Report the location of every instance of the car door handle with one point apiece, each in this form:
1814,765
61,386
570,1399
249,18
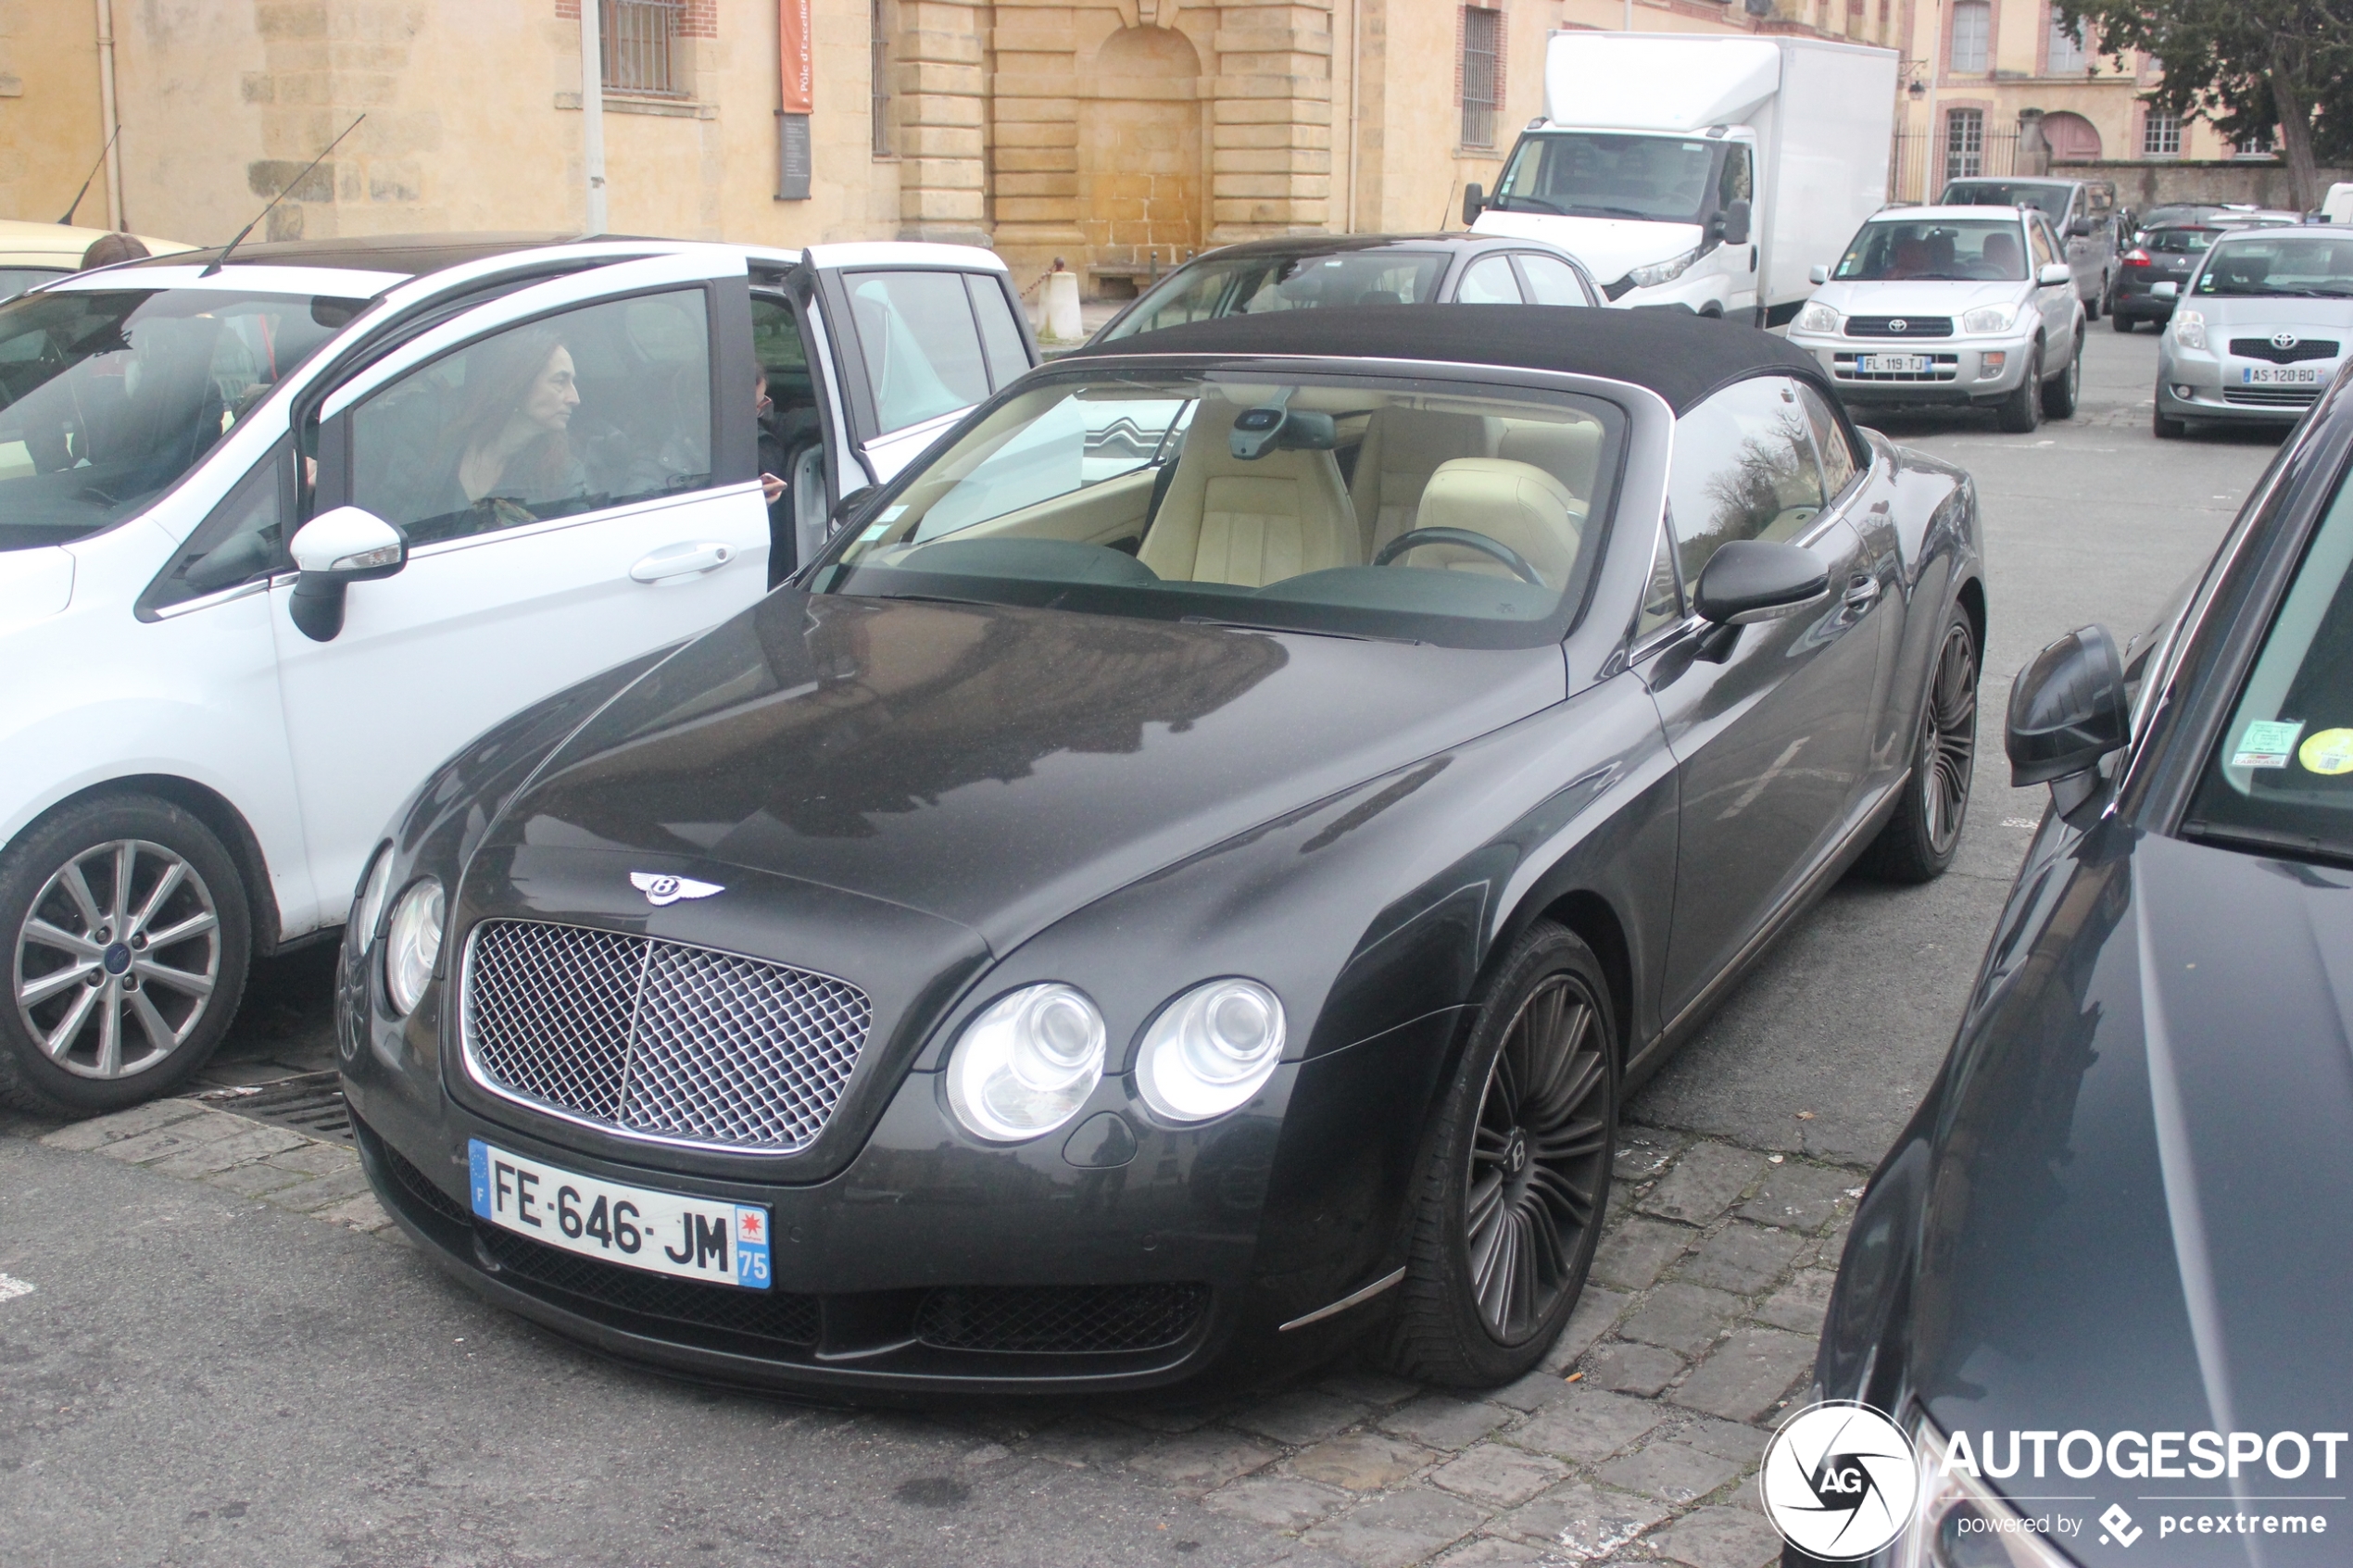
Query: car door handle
1861,591
674,561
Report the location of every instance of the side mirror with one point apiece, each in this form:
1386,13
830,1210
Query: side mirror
2068,709
2169,290
2082,229
1473,203
1732,223
1818,273
846,510
2054,274
1749,580
333,551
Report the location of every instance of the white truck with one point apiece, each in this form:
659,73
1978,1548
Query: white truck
1706,173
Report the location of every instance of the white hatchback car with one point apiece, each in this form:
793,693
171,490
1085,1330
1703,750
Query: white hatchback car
278,536
1966,306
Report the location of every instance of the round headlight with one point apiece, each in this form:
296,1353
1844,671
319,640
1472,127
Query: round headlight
1025,1065
412,946
370,904
1210,1049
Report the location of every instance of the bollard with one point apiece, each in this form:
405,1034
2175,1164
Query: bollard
1061,301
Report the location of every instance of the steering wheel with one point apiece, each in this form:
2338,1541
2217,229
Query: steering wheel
1415,537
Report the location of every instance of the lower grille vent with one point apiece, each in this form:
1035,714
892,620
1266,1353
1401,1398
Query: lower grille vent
1061,1320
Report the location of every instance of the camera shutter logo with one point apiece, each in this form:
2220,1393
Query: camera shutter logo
1840,1481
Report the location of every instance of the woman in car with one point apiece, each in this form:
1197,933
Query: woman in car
505,455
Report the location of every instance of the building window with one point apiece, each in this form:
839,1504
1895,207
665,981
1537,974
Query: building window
1964,144
2161,135
2066,54
878,67
641,45
1482,74
1972,30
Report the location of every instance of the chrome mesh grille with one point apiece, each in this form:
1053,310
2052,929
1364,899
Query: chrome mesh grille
657,1037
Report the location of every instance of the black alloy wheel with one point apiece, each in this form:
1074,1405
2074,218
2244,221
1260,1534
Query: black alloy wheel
127,936
2022,412
1515,1179
1919,843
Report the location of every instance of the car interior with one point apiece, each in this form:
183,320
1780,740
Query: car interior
1985,252
1456,504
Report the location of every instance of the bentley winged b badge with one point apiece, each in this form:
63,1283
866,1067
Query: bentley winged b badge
661,890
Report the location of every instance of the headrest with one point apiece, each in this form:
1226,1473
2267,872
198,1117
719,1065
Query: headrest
1499,497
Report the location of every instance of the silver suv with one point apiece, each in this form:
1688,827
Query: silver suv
2083,214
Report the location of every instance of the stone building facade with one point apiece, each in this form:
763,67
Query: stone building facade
1121,135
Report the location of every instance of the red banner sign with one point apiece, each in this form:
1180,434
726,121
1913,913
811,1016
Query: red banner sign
792,41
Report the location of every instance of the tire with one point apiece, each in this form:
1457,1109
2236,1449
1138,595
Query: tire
2092,306
2166,428
2121,323
2022,411
1920,842
1514,1183
69,1047
2059,392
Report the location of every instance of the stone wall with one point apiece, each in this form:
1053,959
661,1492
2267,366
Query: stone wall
2142,185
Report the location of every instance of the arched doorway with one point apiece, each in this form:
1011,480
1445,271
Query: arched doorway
1139,163
2071,138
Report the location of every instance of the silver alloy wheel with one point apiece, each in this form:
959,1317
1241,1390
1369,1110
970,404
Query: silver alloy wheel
1949,749
1538,1159
117,959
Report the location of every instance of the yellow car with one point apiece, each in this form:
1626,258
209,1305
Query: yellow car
34,253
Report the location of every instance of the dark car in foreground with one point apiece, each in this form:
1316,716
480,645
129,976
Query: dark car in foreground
1112,915
2120,1224
1312,271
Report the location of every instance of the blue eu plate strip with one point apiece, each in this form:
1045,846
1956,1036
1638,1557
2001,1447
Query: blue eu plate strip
478,1168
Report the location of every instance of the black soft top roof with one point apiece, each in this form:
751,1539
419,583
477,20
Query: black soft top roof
1680,356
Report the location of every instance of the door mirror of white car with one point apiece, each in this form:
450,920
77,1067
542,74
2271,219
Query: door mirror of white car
1731,224
1473,203
2165,291
2053,274
846,510
1817,273
333,551
2080,230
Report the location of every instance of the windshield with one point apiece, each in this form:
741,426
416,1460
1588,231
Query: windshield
107,398
2282,777
1984,249
1251,284
2180,242
14,280
2274,265
2050,200
1418,508
1587,174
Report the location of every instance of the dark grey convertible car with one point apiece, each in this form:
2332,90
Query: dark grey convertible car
1187,876
2104,1271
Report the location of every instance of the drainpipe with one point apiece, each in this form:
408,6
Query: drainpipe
107,113
592,110
1355,97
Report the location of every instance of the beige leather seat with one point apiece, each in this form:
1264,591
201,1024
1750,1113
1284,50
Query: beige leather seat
1569,450
1402,447
1248,523
1512,503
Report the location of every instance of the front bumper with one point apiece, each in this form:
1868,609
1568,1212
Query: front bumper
2195,386
932,1265
1963,371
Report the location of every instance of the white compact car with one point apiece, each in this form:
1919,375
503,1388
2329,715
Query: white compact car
1966,306
279,535
2259,330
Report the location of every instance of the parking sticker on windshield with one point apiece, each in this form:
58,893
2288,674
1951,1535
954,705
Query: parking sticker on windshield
2268,743
2330,752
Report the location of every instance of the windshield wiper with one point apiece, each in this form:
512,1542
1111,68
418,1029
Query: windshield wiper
2289,845
1502,203
1225,626
1581,208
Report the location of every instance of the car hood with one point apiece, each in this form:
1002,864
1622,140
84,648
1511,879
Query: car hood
2141,1211
1609,248
992,766
1918,296
2308,318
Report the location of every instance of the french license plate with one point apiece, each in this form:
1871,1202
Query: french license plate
2279,375
637,1227
1894,364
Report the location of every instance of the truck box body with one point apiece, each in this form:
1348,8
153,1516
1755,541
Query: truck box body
1819,119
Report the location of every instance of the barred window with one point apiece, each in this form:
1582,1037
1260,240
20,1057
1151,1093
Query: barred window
1482,74
1972,30
641,45
2161,135
1964,144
